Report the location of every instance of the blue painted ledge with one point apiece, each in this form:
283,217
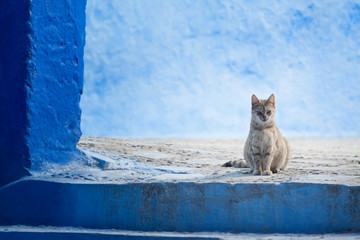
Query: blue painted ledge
221,207
88,236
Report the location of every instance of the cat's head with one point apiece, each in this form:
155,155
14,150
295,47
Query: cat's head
263,111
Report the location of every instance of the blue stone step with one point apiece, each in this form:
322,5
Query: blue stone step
89,234
184,207
71,233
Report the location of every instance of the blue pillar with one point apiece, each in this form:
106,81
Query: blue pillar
41,81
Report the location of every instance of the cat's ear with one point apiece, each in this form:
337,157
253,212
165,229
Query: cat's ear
271,99
254,100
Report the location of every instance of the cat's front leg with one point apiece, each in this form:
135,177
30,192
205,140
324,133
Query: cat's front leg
268,159
257,161
249,160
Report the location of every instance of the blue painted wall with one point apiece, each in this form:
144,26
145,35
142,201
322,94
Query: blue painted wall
56,80
189,207
41,80
188,68
14,52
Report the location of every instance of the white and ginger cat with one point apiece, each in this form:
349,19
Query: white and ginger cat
266,150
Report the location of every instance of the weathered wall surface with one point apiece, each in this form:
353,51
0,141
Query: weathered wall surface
223,207
56,80
41,80
188,68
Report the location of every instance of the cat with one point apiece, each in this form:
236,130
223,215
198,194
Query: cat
266,151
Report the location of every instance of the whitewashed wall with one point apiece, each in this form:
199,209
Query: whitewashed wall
178,68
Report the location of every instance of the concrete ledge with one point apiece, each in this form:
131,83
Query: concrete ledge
190,207
322,161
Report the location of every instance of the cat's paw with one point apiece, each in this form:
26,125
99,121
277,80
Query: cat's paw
277,170
257,172
267,172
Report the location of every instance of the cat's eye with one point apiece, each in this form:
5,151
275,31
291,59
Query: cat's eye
268,112
259,113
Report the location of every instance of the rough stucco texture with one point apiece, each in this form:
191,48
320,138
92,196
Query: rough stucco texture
41,80
56,80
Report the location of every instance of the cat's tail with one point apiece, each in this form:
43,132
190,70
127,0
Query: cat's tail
236,163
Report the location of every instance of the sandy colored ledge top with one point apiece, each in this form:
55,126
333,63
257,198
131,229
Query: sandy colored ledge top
328,161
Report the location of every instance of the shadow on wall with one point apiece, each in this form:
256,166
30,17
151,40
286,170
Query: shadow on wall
14,51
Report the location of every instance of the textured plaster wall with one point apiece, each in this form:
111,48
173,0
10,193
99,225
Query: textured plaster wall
41,80
188,68
56,80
